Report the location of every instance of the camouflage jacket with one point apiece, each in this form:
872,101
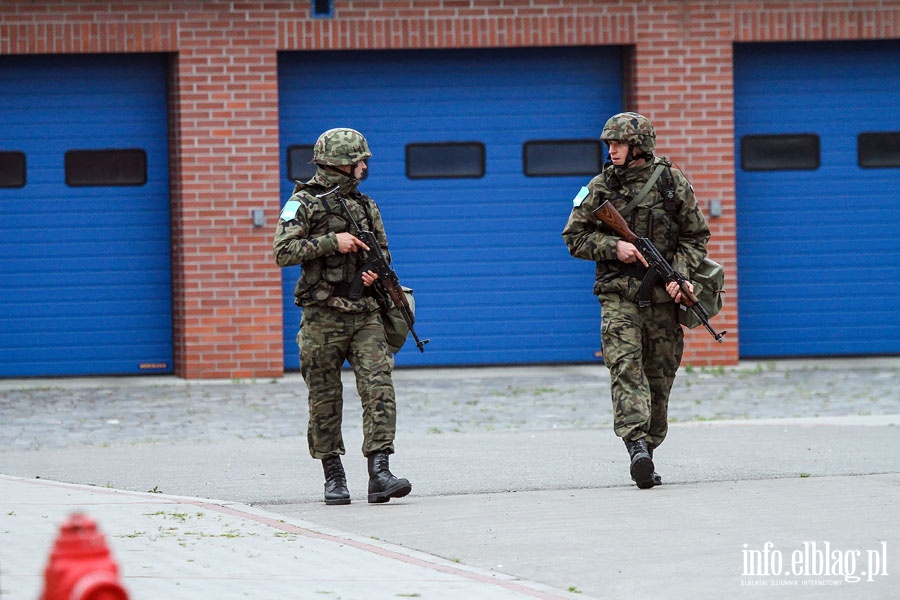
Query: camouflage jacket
306,236
676,227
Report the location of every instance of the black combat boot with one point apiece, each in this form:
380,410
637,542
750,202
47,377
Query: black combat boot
641,463
336,491
382,484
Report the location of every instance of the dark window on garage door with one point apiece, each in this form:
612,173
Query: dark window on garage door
106,167
299,162
12,169
445,160
786,152
878,150
555,158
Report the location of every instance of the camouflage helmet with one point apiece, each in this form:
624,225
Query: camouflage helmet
340,147
630,127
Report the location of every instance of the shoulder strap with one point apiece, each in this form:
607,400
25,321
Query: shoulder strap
644,190
365,200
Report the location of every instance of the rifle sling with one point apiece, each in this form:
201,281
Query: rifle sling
644,191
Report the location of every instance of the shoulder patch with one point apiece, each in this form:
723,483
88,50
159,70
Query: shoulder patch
289,212
580,196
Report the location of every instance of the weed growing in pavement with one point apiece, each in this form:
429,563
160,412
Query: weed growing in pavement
134,534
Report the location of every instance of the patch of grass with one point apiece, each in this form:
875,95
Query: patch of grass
134,534
181,517
717,371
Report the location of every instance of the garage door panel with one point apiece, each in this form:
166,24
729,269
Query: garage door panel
456,310
817,246
70,335
498,234
791,253
89,267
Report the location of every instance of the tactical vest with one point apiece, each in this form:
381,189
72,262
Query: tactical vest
330,275
655,217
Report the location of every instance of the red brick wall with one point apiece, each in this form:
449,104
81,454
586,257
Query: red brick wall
225,135
224,102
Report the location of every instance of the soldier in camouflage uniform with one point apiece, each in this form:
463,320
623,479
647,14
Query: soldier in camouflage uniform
642,346
314,231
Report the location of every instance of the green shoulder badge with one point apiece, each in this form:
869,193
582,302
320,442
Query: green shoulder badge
580,196
289,212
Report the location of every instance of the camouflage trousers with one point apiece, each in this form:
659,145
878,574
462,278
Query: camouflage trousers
327,338
642,348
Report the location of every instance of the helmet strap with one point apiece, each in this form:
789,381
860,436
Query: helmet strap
332,168
339,171
631,157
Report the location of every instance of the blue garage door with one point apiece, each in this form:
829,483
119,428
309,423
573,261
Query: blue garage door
84,216
818,193
493,279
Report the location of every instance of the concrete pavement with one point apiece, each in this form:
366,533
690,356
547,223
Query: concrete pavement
179,547
520,489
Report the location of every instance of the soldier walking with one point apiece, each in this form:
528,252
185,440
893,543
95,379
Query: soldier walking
642,338
315,231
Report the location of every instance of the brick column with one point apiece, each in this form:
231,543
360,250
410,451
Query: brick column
682,79
226,287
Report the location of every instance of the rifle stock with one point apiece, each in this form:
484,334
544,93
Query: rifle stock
659,266
607,213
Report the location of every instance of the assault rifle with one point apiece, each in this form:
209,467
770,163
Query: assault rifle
657,264
388,284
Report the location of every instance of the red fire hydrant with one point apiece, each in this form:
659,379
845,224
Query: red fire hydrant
80,566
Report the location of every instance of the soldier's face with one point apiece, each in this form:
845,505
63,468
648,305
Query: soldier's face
359,170
618,152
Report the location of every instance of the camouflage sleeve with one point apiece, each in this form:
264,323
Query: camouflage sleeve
378,229
293,244
693,232
581,234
